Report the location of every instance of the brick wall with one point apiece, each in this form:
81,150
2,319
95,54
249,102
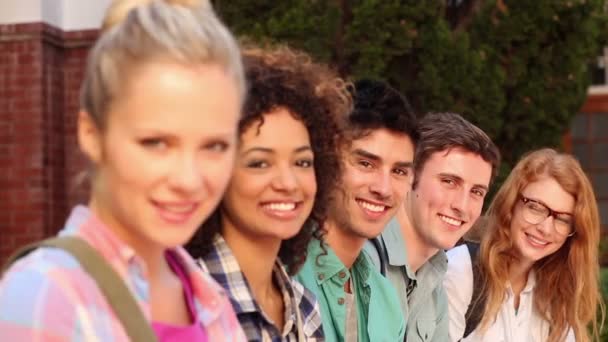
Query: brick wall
589,142
41,68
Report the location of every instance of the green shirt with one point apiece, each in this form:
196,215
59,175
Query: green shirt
379,316
426,307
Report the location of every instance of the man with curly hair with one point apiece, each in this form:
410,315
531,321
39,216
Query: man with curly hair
357,302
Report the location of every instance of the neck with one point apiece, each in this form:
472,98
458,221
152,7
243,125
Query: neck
346,246
518,275
418,251
256,257
153,255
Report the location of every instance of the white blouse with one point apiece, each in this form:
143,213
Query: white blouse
525,325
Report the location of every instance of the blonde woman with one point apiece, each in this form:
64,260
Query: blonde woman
160,105
537,267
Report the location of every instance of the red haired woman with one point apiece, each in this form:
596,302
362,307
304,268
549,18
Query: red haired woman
537,265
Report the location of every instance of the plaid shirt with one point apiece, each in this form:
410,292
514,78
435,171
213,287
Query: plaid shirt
47,296
224,267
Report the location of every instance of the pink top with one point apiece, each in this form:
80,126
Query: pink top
169,332
47,296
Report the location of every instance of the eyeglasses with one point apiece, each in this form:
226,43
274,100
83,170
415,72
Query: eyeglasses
535,212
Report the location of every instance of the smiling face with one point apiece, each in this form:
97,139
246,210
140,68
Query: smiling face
448,197
376,176
535,241
272,190
165,154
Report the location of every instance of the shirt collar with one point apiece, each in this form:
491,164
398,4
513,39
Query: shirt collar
83,223
209,295
224,268
531,283
439,262
394,243
396,250
327,265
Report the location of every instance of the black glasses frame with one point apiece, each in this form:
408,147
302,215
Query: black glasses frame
550,211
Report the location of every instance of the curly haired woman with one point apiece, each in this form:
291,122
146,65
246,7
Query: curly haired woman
286,167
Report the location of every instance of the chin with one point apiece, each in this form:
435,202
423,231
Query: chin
287,234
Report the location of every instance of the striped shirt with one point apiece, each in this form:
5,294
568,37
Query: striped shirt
47,296
224,267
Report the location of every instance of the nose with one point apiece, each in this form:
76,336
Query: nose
381,185
459,202
546,226
285,180
186,174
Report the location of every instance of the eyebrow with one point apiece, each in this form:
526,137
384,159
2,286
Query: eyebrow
459,179
404,164
368,155
271,151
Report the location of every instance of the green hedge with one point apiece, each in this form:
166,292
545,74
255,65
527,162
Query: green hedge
518,69
604,288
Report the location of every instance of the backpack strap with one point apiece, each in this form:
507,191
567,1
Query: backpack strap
381,251
477,305
108,281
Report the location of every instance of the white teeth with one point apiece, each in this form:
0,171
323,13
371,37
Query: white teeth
372,207
451,221
537,241
281,206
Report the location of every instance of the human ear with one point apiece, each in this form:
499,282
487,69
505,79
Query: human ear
89,137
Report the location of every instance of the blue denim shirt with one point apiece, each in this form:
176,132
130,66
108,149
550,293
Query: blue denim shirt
426,308
378,314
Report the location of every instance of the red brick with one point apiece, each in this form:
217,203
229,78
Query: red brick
40,75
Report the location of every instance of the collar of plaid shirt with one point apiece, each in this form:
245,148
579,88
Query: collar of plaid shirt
210,299
224,268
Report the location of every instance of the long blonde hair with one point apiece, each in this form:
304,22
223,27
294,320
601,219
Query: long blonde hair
135,32
567,289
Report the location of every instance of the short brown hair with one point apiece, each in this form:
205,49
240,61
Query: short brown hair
444,131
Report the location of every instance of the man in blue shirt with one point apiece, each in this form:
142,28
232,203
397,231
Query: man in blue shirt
454,164
357,303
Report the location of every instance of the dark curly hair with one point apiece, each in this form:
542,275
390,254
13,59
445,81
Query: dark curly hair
280,77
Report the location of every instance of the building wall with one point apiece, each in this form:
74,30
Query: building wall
67,15
589,142
42,58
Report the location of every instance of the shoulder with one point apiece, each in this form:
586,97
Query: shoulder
206,287
458,280
309,309
306,276
459,259
384,311
42,268
306,300
459,275
47,293
216,311
384,291
370,250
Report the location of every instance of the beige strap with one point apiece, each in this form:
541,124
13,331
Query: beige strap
109,282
